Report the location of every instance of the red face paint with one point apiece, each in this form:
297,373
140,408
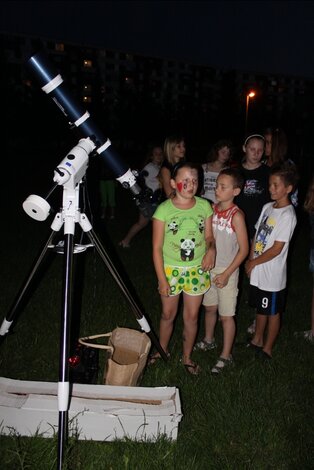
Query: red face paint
179,186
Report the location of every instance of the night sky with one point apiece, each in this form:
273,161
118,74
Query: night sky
257,36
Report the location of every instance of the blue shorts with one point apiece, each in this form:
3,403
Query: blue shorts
267,303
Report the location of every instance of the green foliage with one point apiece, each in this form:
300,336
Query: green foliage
255,416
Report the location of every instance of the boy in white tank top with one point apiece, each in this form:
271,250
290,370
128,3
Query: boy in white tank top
232,248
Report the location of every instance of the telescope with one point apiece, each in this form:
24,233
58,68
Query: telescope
69,173
53,85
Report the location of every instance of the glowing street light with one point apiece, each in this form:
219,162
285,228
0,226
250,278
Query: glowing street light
249,95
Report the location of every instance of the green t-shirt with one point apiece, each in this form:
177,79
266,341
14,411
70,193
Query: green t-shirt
184,242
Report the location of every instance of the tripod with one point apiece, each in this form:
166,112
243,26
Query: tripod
69,174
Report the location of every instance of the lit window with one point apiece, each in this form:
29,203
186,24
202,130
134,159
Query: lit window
88,63
59,46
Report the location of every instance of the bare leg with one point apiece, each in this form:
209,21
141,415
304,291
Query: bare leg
210,322
261,322
272,333
191,306
229,329
168,315
137,227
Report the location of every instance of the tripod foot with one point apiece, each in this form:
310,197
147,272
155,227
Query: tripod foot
5,327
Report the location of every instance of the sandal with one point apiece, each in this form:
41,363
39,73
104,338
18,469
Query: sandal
253,346
205,345
307,335
193,369
264,356
221,364
153,358
251,328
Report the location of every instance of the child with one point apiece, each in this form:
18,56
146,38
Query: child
276,150
267,264
218,159
150,174
183,253
232,248
309,207
174,152
255,191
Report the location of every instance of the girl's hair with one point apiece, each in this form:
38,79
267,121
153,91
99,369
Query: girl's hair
213,153
309,198
178,166
287,171
268,131
169,147
149,154
254,136
279,146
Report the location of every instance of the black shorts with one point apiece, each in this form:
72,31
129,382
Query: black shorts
265,302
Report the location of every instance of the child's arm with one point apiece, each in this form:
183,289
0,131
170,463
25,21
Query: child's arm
238,222
268,255
251,255
165,180
208,261
158,241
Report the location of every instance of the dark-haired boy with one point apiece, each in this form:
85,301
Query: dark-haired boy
267,264
231,250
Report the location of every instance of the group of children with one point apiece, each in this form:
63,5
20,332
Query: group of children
199,246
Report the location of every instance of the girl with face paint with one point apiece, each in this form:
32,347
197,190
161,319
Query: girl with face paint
183,254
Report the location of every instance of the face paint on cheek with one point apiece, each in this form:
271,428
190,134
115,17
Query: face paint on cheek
179,186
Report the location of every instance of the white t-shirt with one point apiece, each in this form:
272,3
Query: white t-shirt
151,179
273,225
209,184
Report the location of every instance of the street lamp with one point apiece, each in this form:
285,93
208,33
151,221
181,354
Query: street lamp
249,95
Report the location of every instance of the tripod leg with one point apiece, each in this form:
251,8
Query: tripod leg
13,310
134,303
63,384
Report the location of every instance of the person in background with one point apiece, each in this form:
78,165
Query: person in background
107,189
149,174
276,146
183,253
232,248
276,152
218,158
255,191
267,264
309,207
174,152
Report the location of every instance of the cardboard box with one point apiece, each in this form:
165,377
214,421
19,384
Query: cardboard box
96,412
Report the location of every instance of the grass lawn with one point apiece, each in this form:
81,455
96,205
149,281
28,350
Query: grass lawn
255,416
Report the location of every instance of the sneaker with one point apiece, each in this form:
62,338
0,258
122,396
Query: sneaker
205,345
221,364
251,328
307,335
